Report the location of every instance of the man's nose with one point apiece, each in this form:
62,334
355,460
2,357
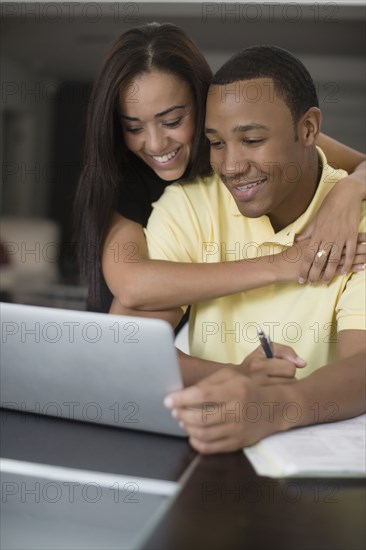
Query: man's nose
234,163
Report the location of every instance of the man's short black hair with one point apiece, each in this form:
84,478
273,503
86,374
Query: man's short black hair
292,81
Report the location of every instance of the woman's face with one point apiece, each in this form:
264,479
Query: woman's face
157,116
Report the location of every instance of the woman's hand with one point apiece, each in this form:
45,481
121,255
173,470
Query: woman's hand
289,270
334,237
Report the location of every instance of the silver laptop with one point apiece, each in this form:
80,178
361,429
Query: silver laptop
88,366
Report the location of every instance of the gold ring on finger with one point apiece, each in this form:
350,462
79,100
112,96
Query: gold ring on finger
321,253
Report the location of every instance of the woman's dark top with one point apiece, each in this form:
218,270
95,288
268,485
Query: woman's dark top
140,187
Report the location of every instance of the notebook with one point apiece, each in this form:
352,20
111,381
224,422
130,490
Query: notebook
79,365
335,449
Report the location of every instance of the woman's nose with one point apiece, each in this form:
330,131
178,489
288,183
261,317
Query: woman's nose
155,141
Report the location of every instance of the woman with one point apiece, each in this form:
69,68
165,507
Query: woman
145,131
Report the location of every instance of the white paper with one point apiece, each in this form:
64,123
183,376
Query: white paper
334,449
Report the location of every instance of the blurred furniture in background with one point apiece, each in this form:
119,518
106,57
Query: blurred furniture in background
29,270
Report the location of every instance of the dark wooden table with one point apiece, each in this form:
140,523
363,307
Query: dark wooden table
222,503
226,505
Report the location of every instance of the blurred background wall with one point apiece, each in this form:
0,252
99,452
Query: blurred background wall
50,54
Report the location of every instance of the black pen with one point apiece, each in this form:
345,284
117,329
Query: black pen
265,343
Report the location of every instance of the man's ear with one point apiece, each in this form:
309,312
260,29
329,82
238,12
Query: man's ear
309,126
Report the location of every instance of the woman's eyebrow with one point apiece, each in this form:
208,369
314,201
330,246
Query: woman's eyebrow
170,109
165,112
133,118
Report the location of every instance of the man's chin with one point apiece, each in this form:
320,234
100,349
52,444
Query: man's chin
250,210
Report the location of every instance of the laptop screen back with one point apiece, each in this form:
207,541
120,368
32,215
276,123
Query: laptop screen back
92,367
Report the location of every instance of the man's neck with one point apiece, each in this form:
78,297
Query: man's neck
297,204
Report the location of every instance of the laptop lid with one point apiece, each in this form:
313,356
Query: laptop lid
87,366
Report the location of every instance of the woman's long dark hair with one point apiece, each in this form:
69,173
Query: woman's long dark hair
164,47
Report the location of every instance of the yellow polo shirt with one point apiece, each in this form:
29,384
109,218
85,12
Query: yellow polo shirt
200,222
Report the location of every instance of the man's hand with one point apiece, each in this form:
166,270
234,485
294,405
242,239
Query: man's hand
281,369
225,412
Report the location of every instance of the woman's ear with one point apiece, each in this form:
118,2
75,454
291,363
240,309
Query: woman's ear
309,126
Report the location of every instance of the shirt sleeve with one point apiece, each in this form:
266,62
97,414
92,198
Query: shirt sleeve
351,307
173,231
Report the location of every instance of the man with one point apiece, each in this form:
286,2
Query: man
262,121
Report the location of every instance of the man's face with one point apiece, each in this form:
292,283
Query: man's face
254,148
